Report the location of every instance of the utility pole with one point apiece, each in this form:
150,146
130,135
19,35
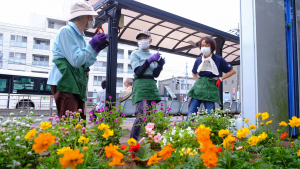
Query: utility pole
186,75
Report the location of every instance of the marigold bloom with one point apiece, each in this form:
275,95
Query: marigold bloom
223,133
209,147
42,142
203,133
264,116
103,126
210,159
242,133
108,133
78,126
298,153
45,125
283,123
29,136
71,159
64,149
253,140
111,151
153,159
82,140
268,122
166,152
284,135
227,141
252,126
295,122
85,148
131,142
246,120
258,115
262,136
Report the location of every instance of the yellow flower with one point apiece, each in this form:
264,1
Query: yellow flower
246,120
45,125
295,122
264,116
258,115
298,153
252,126
242,133
283,123
103,126
78,126
29,136
212,134
262,123
82,140
262,136
253,140
131,142
268,122
223,133
64,149
227,141
108,133
77,114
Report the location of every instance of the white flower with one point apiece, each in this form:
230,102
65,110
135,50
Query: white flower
21,112
12,114
171,140
164,141
42,116
14,122
18,145
224,115
8,118
18,163
7,139
29,153
31,112
27,125
23,124
15,118
23,147
180,135
12,131
189,129
18,123
18,138
31,108
1,118
165,131
7,121
190,132
3,124
173,132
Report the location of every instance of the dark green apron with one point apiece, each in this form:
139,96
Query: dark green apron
145,89
205,89
73,80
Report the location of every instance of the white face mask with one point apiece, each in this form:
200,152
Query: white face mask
91,23
205,50
144,43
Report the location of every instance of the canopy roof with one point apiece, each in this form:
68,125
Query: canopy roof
170,33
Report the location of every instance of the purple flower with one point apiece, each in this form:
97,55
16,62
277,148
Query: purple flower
63,136
110,112
96,122
91,100
142,107
80,110
71,117
62,128
106,108
57,142
109,97
40,131
147,111
102,118
117,122
32,127
155,110
123,114
152,117
144,100
67,132
119,110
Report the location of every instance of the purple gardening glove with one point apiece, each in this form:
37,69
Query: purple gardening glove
154,57
98,40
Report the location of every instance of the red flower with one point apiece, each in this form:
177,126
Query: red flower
284,135
235,138
219,149
135,148
133,156
123,147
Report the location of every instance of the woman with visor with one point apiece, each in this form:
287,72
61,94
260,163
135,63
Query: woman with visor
146,66
206,74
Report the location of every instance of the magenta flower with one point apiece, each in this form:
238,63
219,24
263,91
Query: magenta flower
120,97
136,105
142,107
91,100
91,112
80,110
144,100
90,122
40,131
123,114
109,97
57,142
102,101
110,112
161,108
143,120
119,110
161,104
152,117
106,108
96,122
147,111
127,129
67,132
102,118
32,127
155,110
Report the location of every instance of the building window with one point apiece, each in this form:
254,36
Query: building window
120,53
18,41
41,44
232,81
183,86
1,39
1,59
130,68
98,80
92,95
119,82
177,86
129,54
103,53
100,66
51,25
39,60
120,67
17,58
189,86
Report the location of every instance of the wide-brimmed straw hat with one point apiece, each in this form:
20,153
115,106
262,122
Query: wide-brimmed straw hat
80,8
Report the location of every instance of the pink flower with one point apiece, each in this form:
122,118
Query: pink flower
50,118
90,122
63,136
67,111
32,127
83,129
57,120
239,147
109,97
120,97
62,128
90,100
67,132
40,131
80,110
57,142
181,116
144,100
54,124
53,114
71,117
174,123
150,125
157,138
142,140
149,131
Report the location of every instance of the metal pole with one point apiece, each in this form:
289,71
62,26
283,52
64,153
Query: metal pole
186,75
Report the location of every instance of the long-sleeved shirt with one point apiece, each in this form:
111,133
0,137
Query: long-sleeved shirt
138,59
101,97
126,94
69,44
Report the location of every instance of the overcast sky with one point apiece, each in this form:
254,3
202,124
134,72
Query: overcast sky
219,14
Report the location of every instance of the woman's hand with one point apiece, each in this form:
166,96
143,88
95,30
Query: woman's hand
227,75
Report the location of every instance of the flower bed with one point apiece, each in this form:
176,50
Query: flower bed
201,142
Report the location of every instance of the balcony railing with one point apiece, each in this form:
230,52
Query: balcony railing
41,46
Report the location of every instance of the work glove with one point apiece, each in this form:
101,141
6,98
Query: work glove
153,58
219,82
97,40
161,62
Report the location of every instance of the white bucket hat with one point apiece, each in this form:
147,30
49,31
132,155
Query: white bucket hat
80,8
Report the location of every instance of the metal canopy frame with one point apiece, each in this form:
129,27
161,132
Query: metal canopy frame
109,12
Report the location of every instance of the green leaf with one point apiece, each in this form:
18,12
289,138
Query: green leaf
144,153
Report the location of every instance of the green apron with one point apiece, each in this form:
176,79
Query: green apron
145,89
73,80
205,89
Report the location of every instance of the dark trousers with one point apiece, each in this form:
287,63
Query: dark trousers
67,101
136,130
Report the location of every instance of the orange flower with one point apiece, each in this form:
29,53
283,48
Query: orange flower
209,146
203,133
284,135
166,152
85,148
123,146
153,159
111,151
71,159
210,159
116,161
42,142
